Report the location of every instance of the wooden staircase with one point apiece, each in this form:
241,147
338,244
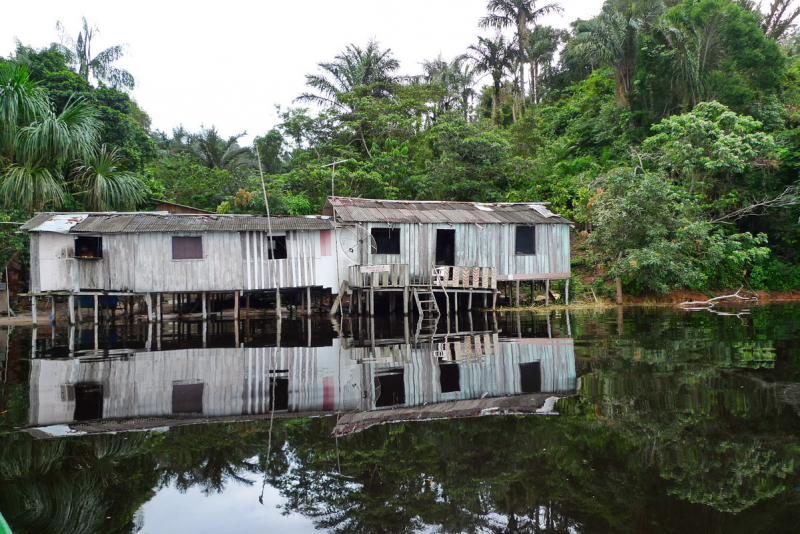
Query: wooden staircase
428,312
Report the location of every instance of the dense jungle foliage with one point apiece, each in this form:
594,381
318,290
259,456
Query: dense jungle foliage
667,130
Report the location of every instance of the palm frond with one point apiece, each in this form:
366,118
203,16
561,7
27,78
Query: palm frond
32,186
104,186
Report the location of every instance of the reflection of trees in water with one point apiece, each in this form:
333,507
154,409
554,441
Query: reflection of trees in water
664,435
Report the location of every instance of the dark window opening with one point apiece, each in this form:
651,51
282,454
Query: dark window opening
390,389
278,394
387,240
530,375
187,398
277,248
526,240
449,378
88,247
88,402
187,248
445,247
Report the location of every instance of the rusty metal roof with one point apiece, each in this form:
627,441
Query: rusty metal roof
132,223
414,211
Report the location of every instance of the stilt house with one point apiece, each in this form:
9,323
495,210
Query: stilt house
153,253
458,247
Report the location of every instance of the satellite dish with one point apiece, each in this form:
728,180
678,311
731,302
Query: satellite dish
352,239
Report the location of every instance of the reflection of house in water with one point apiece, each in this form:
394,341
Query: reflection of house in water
152,389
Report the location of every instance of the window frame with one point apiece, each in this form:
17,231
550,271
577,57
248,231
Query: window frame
275,244
389,245
202,249
522,248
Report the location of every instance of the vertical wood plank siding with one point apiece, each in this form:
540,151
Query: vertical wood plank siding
143,263
491,245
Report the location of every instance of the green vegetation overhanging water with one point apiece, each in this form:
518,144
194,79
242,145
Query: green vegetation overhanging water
666,421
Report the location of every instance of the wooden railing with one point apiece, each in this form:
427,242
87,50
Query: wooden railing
386,275
464,277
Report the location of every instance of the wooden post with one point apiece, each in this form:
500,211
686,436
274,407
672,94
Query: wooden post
566,293
547,292
247,306
405,304
71,339
447,305
371,301
148,300
494,299
34,314
80,309
278,302
516,295
96,332
71,304
236,310
455,301
203,297
469,301
96,309
308,300
358,299
159,307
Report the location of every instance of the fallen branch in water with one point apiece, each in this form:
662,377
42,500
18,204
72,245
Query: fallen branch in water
711,301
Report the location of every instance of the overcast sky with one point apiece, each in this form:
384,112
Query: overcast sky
228,63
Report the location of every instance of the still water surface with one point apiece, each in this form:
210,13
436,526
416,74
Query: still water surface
642,420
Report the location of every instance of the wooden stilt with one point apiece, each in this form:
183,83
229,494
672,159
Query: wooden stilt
278,303
96,332
308,300
34,311
236,309
566,293
516,294
71,305
80,310
71,339
405,303
547,292
358,299
469,301
494,299
247,306
148,299
159,307
371,302
96,309
455,301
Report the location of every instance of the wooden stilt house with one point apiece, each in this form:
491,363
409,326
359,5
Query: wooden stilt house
461,249
155,253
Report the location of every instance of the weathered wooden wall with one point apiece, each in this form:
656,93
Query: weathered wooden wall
143,263
491,245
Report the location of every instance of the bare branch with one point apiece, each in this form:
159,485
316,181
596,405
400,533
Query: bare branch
710,302
789,197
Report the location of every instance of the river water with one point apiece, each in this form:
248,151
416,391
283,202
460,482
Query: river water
629,420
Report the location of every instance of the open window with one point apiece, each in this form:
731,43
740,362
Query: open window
390,388
187,248
187,398
449,377
88,402
88,246
526,240
530,375
278,393
277,248
387,240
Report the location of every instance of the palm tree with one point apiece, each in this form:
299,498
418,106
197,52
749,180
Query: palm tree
542,45
496,57
457,79
79,54
610,38
215,152
105,186
37,144
369,67
518,13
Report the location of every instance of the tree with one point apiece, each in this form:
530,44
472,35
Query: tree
38,145
106,187
611,39
79,54
215,152
457,80
518,14
543,42
496,57
368,67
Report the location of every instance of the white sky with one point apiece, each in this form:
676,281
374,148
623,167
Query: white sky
228,63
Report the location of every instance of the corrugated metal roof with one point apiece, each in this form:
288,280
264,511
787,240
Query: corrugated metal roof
129,223
411,211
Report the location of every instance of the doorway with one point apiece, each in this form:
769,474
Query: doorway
445,247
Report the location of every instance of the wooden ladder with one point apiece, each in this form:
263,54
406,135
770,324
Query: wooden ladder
428,312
